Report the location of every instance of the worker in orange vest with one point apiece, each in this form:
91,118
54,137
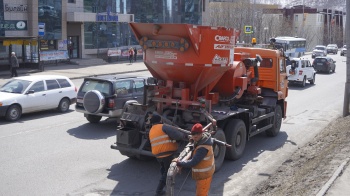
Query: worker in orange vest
202,161
163,142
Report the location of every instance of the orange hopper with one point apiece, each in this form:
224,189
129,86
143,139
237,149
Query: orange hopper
188,55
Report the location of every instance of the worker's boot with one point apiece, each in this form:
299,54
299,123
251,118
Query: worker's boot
160,188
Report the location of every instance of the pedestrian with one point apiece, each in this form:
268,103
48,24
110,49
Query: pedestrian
135,54
201,161
14,64
131,54
163,142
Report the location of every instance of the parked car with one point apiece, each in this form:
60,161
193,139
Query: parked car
36,93
324,64
319,50
343,51
332,48
300,71
107,95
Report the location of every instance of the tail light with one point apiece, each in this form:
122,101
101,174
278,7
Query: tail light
111,103
300,72
76,90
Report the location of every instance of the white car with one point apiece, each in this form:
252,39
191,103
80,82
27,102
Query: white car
343,51
36,93
301,70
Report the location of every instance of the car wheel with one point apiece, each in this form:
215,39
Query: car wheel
313,79
303,83
236,136
93,118
64,104
13,113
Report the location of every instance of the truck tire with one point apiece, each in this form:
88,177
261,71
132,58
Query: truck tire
236,136
93,118
272,132
219,151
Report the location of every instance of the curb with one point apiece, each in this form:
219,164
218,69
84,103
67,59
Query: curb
331,181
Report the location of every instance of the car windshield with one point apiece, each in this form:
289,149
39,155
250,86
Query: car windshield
320,60
102,86
294,63
15,86
319,48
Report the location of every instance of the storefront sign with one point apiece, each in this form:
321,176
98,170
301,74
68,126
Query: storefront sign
13,25
15,8
114,52
106,18
53,55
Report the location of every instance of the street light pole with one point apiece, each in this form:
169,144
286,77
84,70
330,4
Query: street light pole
347,83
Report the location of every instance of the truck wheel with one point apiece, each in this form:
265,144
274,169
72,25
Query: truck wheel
93,118
313,79
277,121
236,135
219,151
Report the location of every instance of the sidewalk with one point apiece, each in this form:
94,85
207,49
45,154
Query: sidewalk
338,184
79,71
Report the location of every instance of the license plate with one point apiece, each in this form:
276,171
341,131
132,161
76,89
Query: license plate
319,63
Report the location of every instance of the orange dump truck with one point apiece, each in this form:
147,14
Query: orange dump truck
200,77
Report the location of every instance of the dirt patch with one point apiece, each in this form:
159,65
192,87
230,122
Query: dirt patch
312,165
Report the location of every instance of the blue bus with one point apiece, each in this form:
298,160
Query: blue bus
292,46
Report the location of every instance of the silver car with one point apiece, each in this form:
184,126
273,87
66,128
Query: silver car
28,94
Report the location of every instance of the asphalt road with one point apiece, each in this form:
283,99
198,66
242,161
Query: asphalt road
49,153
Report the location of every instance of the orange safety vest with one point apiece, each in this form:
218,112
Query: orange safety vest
206,167
162,145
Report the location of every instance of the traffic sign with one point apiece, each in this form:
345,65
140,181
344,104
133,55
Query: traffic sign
41,29
248,29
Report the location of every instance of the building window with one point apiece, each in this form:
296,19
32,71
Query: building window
71,1
296,18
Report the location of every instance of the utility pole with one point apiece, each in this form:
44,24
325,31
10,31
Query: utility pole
347,83
302,31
